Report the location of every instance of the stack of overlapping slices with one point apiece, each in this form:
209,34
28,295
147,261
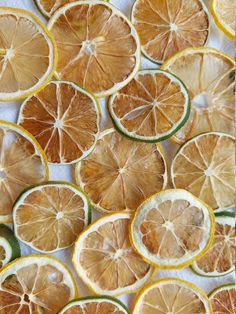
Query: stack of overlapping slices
154,212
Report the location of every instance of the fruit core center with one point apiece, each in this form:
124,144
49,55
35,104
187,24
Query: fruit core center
168,225
60,215
156,103
2,174
208,172
89,46
202,101
58,124
8,53
118,254
26,298
173,27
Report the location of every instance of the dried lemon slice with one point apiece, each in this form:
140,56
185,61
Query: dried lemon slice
49,7
223,299
9,246
205,167
22,163
28,54
64,119
98,47
120,174
105,260
166,27
209,75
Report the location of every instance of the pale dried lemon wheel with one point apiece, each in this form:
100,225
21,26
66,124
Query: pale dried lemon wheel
221,256
205,166
209,75
223,299
35,284
64,119
28,54
98,47
105,260
172,229
120,174
166,27
50,216
172,295
22,163
95,305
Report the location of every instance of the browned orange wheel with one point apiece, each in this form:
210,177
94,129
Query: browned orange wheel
223,299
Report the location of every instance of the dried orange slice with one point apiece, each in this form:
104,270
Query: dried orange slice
98,47
22,163
172,229
28,54
166,27
172,295
209,77
64,119
223,299
105,260
205,167
50,216
35,284
48,7
221,256
152,107
136,170
95,305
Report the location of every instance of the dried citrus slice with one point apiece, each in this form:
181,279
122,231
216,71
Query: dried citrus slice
152,107
172,295
95,305
223,12
223,299
27,54
166,27
22,163
205,166
35,284
172,229
98,47
50,216
64,119
221,256
105,260
120,174
209,77
9,246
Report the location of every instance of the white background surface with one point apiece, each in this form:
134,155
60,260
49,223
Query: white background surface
9,112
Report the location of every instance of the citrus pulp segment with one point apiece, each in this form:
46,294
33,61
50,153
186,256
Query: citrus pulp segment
205,167
152,107
64,119
28,54
9,246
172,295
35,284
221,256
99,48
209,75
49,217
223,12
172,229
105,260
95,305
223,299
166,27
120,174
22,163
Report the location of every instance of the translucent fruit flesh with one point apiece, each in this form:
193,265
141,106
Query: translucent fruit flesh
224,301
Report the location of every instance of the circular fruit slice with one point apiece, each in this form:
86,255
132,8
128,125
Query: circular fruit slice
49,217
64,119
95,305
120,174
221,256
35,284
223,12
9,246
27,54
98,47
105,260
22,163
49,7
223,299
172,229
172,295
209,77
152,107
205,167
166,27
